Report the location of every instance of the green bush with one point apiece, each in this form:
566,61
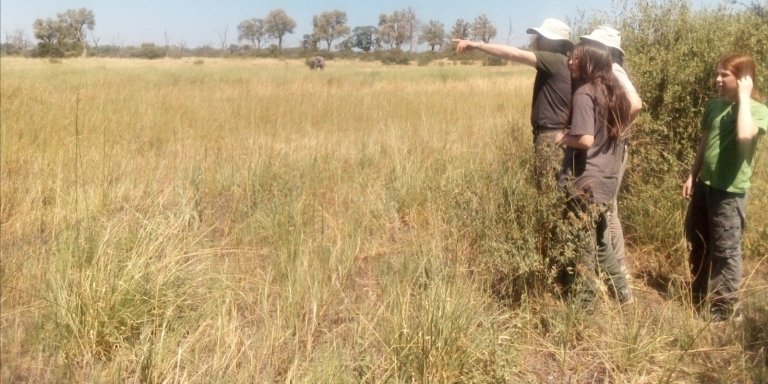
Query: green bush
426,58
395,56
493,61
671,55
671,52
149,51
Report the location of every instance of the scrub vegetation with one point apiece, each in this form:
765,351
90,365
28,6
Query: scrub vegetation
254,221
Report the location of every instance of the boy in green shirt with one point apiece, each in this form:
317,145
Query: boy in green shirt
715,221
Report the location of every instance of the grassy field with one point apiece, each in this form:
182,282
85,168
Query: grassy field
200,221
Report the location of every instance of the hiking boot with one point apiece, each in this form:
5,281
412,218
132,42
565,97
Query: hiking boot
626,298
718,315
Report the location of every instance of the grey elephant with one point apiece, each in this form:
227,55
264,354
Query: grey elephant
316,62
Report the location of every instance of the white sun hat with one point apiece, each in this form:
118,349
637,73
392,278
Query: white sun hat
552,29
607,36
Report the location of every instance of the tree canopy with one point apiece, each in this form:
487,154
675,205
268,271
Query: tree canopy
65,35
329,26
461,29
397,28
277,24
252,30
433,34
482,29
364,38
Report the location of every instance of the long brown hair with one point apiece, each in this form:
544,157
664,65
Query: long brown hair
741,65
594,66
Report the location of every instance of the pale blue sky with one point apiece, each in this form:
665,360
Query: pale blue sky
201,22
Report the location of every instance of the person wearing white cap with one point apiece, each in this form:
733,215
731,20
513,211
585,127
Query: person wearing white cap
611,39
549,111
551,91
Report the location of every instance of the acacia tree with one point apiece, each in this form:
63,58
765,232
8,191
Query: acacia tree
461,29
329,26
223,37
277,24
75,21
392,29
309,43
411,24
66,34
363,38
252,30
47,31
433,34
482,29
15,42
387,32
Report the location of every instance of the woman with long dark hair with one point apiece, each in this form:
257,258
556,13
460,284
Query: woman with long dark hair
594,152
611,39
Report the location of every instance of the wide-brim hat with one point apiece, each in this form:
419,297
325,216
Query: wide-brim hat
607,36
552,29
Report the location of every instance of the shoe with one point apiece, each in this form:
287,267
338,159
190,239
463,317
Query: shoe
718,315
626,298
627,275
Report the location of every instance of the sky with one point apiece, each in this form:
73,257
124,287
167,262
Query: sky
196,23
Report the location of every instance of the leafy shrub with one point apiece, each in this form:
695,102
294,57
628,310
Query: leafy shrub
507,222
149,51
426,58
493,61
395,56
48,50
671,52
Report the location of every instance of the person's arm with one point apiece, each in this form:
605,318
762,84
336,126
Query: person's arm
574,141
635,104
696,167
746,129
582,133
505,52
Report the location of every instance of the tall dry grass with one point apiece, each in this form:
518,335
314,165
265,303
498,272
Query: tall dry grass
252,221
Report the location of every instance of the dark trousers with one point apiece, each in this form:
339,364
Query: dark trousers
548,159
596,257
714,225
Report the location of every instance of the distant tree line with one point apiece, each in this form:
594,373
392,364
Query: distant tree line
69,35
66,35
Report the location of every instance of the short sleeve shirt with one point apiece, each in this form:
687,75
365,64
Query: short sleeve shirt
629,88
597,168
623,78
723,166
551,91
